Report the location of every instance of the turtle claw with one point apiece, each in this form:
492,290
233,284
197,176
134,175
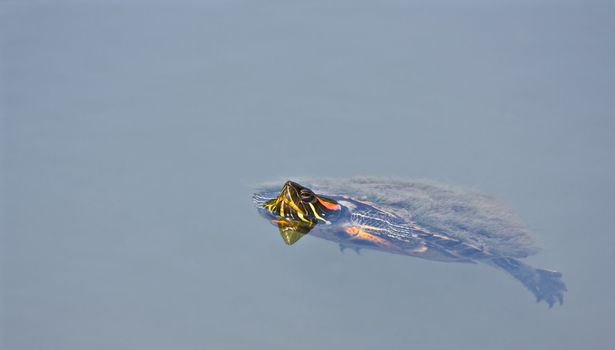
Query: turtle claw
344,247
545,285
549,287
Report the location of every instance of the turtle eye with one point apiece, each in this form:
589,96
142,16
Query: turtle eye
307,195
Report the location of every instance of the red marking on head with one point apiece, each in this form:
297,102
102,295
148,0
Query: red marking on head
329,205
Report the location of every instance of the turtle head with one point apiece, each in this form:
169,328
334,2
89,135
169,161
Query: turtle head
297,209
299,203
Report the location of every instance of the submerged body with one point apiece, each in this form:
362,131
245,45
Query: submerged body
414,218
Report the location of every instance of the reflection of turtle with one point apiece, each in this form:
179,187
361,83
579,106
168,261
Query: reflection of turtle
415,218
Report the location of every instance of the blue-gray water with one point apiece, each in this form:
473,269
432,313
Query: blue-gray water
133,132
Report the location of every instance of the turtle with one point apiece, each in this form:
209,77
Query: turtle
417,218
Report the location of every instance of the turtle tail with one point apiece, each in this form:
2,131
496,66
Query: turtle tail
544,284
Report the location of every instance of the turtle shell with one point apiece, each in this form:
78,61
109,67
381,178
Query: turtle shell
465,215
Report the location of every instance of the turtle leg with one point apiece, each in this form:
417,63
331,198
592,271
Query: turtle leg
361,235
544,284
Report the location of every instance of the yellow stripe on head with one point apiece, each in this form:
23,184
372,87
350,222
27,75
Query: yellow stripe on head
316,214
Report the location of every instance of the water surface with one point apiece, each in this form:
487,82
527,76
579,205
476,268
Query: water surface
133,133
